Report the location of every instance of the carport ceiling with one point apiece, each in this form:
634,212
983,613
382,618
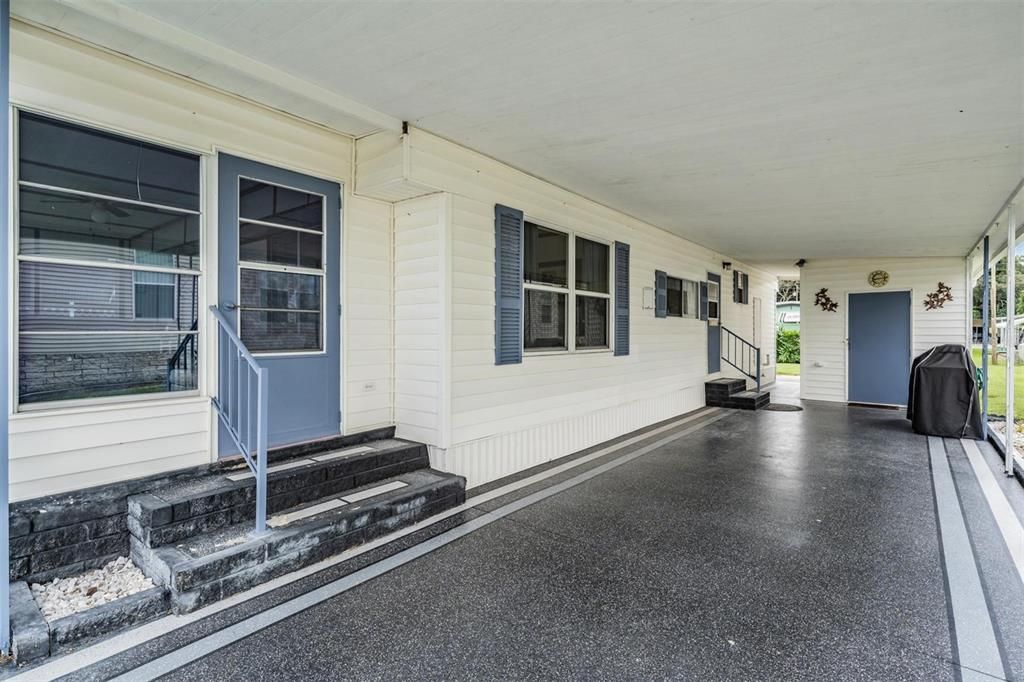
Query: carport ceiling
765,130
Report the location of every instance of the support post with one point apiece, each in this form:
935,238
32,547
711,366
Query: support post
6,364
262,399
984,337
1011,331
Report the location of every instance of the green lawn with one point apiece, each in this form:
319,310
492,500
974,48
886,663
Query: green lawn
789,369
997,387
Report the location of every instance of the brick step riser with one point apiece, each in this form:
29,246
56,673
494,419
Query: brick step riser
194,584
163,524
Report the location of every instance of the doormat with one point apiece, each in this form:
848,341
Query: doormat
782,407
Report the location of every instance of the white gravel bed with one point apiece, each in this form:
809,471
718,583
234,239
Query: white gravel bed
1018,437
64,596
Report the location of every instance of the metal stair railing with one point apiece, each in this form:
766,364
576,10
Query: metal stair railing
741,354
240,376
185,356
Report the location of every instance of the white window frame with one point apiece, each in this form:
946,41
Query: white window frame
17,258
717,300
320,272
572,292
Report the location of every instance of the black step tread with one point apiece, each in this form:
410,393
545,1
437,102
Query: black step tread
198,505
725,381
208,567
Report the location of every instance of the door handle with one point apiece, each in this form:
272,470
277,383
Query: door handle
230,305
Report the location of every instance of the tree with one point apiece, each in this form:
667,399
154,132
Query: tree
999,282
789,291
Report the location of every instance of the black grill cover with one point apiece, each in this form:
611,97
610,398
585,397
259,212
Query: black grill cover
944,398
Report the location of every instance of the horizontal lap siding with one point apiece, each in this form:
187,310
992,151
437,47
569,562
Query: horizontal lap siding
823,334
55,452
367,336
59,450
507,418
419,240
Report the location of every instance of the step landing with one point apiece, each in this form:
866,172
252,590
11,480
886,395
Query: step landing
222,562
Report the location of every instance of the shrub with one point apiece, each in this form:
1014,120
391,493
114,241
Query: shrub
787,345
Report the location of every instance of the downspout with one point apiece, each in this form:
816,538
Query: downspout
5,258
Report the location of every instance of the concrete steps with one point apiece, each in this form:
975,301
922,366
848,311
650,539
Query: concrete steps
196,506
733,394
216,564
195,537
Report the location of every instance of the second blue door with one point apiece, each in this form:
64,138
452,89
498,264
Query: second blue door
879,348
279,238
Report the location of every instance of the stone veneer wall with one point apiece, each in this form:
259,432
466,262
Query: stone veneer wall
61,535
52,373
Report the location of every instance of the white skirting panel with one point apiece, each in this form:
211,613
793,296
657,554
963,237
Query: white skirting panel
487,459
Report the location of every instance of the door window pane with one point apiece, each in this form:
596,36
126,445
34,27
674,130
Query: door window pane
545,256
76,366
279,290
281,246
61,154
544,319
591,266
264,331
591,322
273,204
60,225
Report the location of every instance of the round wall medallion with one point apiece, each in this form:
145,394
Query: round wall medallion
878,278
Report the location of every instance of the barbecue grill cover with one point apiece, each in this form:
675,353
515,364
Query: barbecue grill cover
944,398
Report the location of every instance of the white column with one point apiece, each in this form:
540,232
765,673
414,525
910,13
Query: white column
1011,330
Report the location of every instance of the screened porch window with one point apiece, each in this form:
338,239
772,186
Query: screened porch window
566,290
108,263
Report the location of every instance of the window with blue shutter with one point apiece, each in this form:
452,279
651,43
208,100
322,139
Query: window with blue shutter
660,294
508,285
704,300
745,283
621,298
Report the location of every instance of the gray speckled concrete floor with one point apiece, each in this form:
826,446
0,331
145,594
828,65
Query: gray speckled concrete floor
768,545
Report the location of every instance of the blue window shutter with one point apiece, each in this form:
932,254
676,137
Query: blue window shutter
736,287
703,300
746,288
508,285
621,298
660,294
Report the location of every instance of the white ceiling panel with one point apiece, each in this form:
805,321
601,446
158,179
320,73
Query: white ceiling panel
765,130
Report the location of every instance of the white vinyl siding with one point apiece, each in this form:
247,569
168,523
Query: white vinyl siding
420,336
823,334
509,417
366,333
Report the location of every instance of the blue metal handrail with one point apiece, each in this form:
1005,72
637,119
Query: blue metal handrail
239,374
741,354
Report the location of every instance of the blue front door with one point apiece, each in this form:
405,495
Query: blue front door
879,348
279,236
714,323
